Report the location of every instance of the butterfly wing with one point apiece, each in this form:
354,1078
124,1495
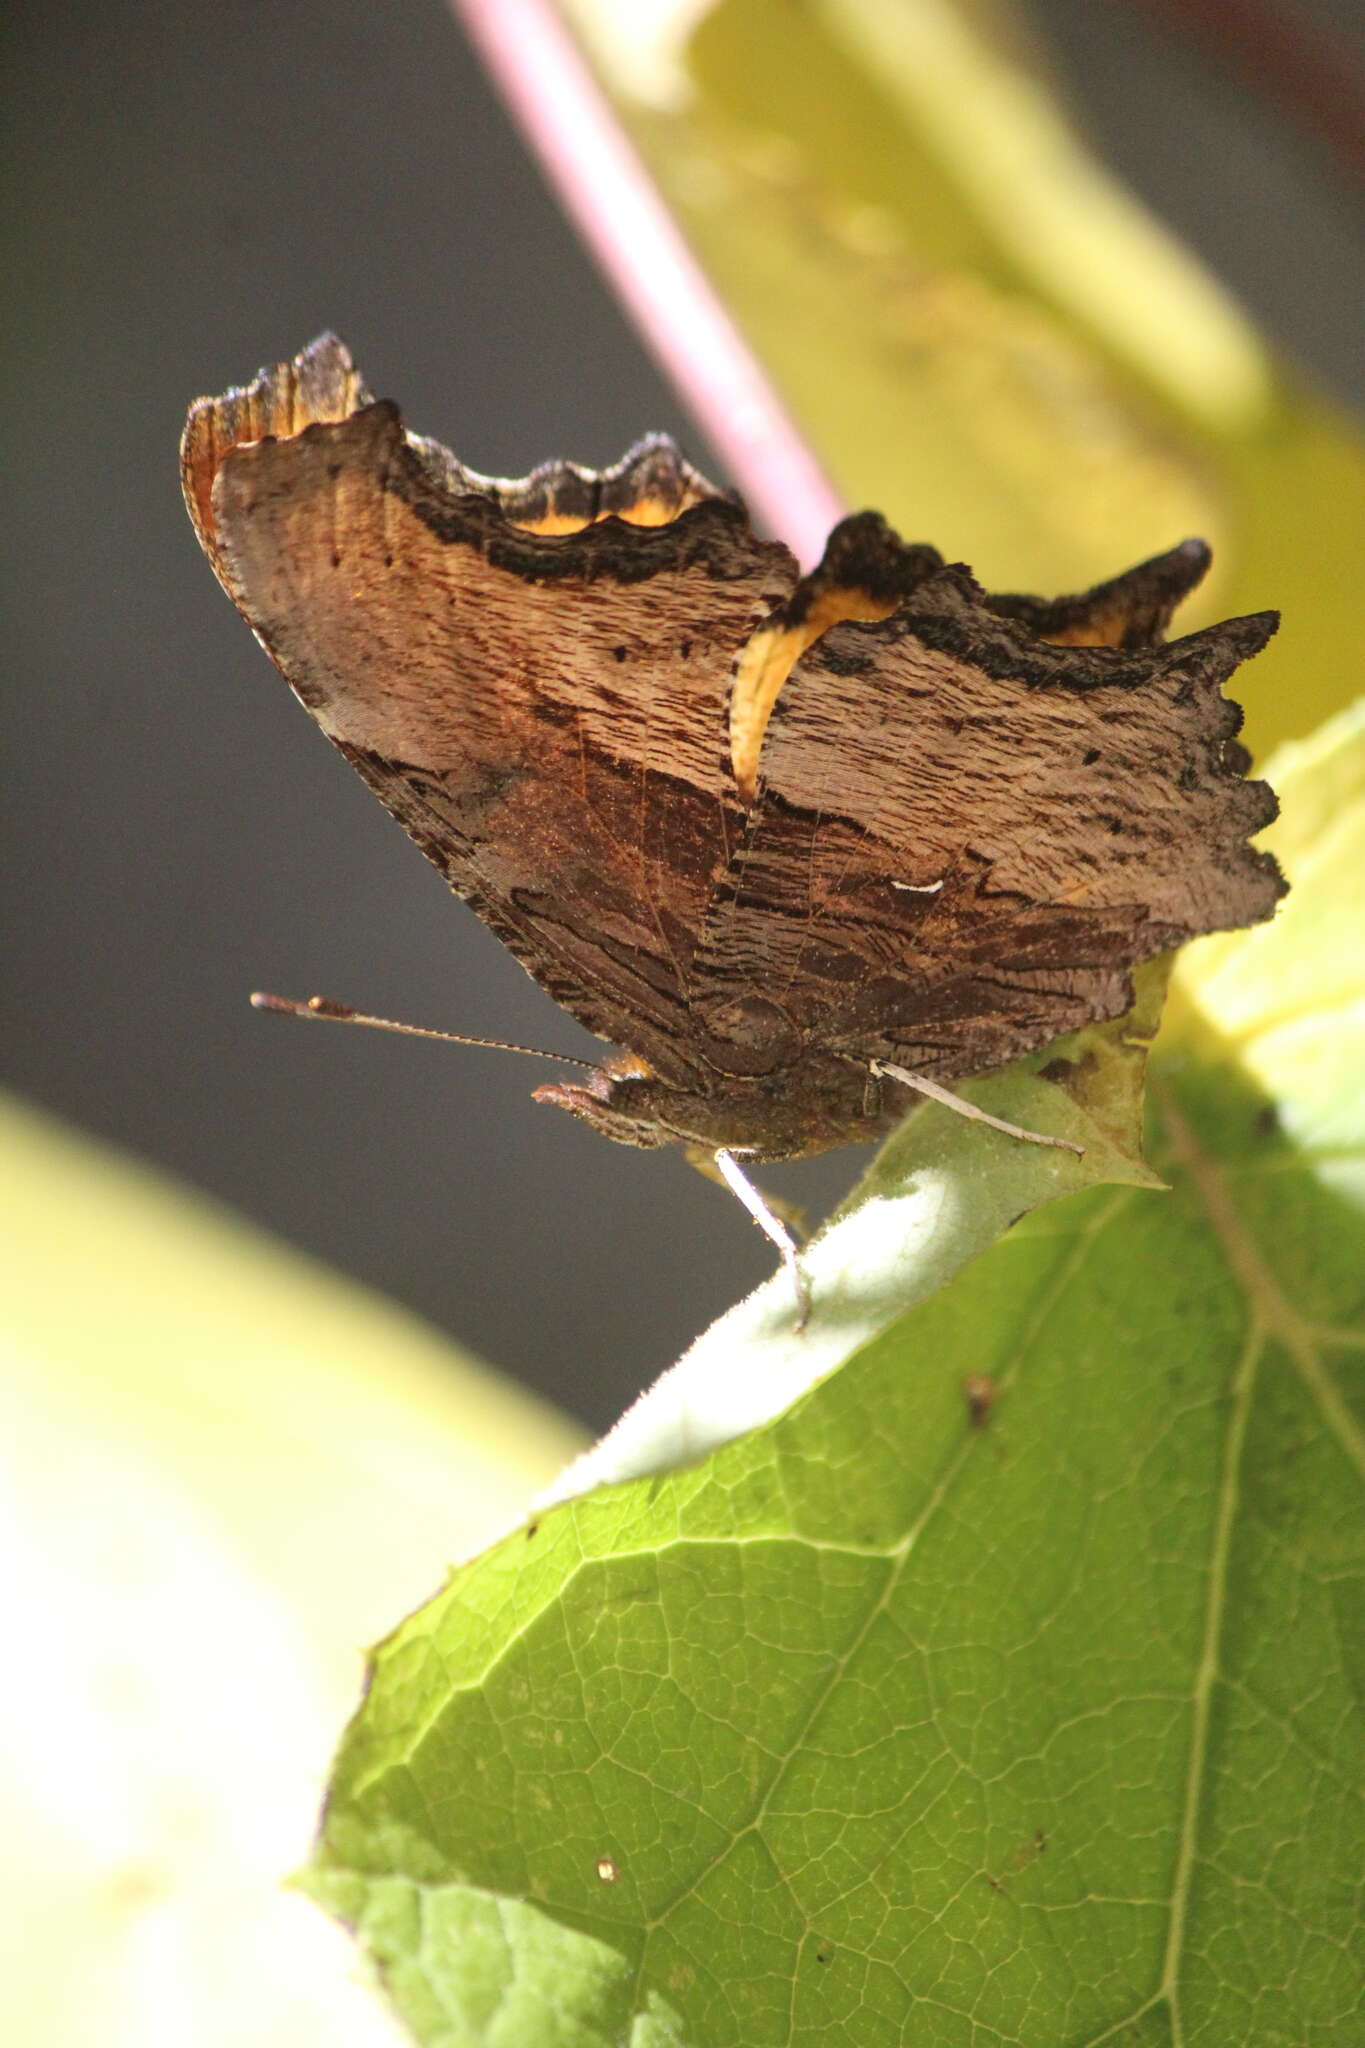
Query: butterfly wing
734,821
532,677
966,835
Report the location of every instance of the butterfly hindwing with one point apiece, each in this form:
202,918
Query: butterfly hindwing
1012,826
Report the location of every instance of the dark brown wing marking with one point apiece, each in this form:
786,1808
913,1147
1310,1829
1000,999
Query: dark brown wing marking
543,711
1131,610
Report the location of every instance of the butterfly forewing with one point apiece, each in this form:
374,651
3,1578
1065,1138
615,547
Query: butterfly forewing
543,712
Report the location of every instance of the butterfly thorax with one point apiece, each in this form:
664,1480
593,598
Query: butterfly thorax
810,1105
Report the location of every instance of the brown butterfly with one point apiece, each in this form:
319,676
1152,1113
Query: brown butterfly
772,835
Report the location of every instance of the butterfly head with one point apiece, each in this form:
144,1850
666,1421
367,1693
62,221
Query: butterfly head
622,1099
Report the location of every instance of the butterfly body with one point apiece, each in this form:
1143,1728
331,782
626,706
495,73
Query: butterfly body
760,831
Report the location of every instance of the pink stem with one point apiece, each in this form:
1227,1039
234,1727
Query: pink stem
607,192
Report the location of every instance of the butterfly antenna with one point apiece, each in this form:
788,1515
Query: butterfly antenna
342,1013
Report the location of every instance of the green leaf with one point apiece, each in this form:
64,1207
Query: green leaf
890,1722
941,1189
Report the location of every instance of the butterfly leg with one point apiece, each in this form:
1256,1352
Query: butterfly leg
790,1213
969,1109
728,1168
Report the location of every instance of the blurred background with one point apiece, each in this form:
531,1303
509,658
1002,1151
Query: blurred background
194,191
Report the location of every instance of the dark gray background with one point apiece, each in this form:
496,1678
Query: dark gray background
194,190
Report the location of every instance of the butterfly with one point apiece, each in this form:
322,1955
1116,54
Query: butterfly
798,846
